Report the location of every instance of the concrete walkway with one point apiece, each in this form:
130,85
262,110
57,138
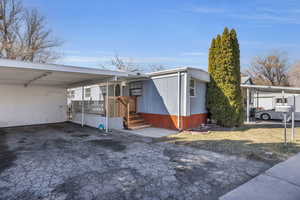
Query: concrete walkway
281,182
152,132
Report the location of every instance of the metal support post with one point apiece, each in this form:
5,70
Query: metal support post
248,105
82,107
285,138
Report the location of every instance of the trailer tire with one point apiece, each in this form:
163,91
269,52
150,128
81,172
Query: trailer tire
265,116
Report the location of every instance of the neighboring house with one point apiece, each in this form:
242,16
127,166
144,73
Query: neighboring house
265,100
247,80
173,99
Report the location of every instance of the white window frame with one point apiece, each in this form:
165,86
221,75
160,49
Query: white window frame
87,94
72,94
194,88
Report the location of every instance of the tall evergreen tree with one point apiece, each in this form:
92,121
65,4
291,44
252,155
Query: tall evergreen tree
224,94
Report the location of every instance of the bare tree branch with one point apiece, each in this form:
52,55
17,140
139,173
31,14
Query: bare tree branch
294,75
155,68
270,70
123,65
24,35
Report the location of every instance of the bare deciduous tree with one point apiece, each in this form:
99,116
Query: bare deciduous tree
128,65
155,68
271,69
124,65
294,75
24,35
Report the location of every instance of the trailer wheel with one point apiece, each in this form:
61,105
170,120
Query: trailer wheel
265,116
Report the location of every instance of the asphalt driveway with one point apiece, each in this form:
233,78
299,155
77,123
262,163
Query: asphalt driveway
67,162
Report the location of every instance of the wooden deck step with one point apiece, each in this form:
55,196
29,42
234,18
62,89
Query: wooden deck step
135,116
136,121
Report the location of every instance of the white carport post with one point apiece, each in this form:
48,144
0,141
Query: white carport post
257,99
106,108
248,105
179,100
82,107
293,118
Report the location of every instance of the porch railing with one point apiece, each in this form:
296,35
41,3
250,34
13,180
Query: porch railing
127,106
90,107
117,106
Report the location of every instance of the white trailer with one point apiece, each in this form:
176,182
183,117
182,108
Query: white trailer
286,100
288,95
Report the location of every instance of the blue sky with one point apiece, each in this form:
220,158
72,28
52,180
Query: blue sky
169,32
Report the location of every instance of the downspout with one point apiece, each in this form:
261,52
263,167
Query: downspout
179,100
248,105
82,107
106,108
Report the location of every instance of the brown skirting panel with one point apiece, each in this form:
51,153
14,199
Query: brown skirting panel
170,121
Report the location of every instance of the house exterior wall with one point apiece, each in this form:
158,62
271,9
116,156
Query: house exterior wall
20,106
95,93
198,103
160,96
159,102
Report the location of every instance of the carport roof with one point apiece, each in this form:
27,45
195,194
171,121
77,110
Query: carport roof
265,88
27,73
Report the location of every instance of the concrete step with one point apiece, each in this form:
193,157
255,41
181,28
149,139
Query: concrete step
139,127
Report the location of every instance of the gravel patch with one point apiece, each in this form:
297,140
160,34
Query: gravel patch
67,162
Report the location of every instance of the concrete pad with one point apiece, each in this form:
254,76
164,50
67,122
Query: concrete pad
152,132
264,187
288,170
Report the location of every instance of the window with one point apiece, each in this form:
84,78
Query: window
136,88
192,88
281,100
71,94
117,90
102,93
87,92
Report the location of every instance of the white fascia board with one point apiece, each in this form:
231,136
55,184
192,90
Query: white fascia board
195,72
199,75
266,88
168,71
90,82
58,68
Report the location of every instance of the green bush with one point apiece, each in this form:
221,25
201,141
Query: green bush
224,97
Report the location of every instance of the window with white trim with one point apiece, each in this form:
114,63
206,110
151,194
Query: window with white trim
87,92
192,88
71,94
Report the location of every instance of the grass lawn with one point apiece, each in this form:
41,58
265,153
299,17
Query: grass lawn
264,144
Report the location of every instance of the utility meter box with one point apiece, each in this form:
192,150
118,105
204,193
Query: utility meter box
284,109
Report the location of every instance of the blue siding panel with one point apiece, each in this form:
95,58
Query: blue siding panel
159,96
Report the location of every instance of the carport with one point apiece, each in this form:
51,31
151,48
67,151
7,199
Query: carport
253,91
33,93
